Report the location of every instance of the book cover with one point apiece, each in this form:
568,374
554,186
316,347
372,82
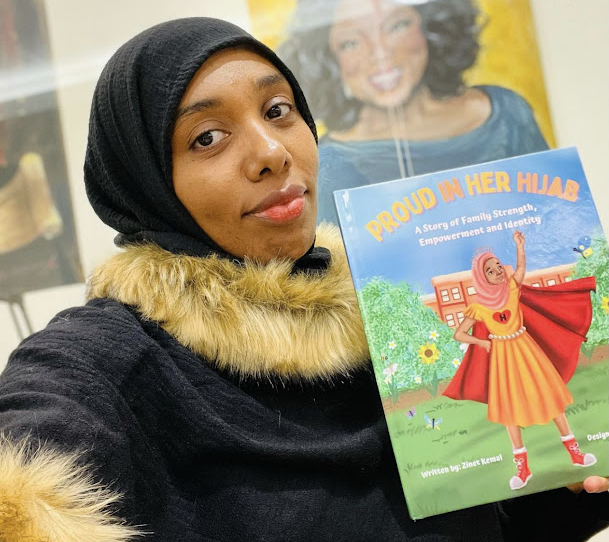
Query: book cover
484,295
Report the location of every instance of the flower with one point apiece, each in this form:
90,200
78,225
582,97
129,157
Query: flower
391,370
428,353
433,335
463,347
605,304
387,380
418,379
456,362
392,345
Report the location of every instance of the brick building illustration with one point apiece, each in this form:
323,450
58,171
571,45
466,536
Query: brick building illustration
454,292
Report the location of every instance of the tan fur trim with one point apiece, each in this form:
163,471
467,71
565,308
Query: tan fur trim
253,319
47,497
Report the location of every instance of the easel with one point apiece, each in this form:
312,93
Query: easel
14,301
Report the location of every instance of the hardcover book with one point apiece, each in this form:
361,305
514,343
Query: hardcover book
484,295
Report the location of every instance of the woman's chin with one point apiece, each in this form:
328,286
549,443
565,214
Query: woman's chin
298,250
389,99
291,248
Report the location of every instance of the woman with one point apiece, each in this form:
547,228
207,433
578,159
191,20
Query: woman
525,383
386,78
216,386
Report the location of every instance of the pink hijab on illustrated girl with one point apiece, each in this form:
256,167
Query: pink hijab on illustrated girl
493,296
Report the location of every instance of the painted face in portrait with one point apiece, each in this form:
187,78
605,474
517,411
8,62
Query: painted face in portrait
244,160
494,271
381,50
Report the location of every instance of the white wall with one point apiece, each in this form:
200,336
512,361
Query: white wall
573,38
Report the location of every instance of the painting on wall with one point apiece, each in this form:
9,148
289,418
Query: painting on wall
38,246
401,88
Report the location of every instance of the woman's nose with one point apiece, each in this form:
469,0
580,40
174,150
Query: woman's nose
267,152
383,51
378,42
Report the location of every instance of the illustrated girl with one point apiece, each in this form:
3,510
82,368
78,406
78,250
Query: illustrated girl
525,349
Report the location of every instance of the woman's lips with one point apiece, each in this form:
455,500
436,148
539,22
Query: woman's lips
282,205
283,213
386,81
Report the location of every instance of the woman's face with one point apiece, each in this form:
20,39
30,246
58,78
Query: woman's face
493,271
380,48
244,160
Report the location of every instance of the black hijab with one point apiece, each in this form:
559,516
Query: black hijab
128,169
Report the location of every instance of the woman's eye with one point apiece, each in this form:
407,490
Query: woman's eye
399,25
278,110
347,45
210,137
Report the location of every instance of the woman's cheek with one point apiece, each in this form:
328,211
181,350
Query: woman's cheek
349,66
412,43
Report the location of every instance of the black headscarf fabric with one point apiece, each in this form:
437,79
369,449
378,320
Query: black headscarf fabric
128,169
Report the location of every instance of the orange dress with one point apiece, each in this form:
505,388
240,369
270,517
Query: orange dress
524,387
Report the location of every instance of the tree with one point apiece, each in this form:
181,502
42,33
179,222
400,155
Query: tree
596,265
411,348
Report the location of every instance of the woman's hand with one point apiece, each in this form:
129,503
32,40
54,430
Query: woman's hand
596,484
518,239
592,484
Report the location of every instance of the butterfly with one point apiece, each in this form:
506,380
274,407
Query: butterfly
410,412
583,246
432,423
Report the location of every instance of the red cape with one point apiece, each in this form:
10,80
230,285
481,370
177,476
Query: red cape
557,317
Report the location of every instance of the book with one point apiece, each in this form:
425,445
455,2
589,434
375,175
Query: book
484,296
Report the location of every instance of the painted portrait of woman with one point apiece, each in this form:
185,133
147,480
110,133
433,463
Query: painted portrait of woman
386,78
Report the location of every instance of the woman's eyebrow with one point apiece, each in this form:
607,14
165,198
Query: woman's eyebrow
197,107
207,103
270,80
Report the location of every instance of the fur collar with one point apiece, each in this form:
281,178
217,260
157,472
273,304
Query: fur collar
254,320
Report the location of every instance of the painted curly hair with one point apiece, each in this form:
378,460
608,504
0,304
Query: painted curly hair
451,28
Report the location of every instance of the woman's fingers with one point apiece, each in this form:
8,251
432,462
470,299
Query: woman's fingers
596,484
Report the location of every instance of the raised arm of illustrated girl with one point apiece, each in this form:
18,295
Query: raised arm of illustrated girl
462,334
521,262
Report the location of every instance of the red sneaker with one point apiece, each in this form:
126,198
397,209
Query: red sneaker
577,458
523,474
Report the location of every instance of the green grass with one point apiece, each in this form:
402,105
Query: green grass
465,434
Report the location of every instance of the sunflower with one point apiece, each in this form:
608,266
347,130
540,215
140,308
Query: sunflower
428,353
605,304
